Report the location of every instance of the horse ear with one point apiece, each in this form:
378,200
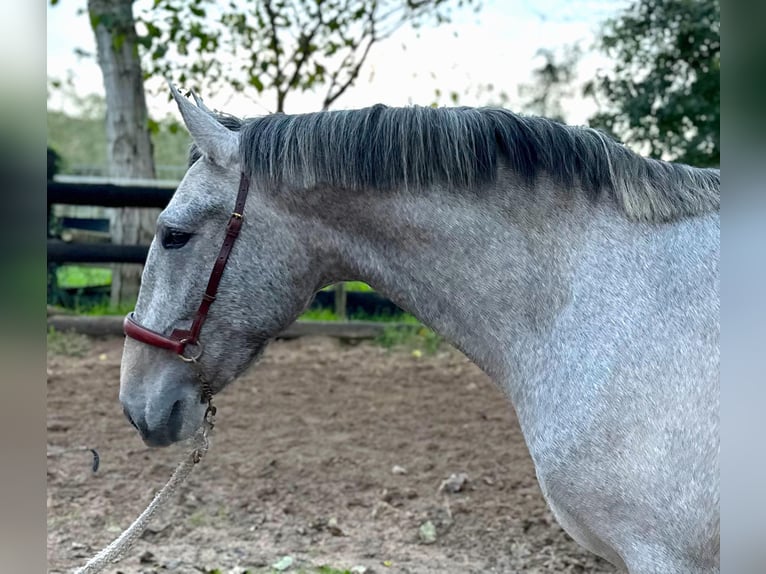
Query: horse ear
219,144
200,103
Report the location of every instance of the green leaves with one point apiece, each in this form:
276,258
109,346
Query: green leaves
256,82
274,46
152,31
153,126
552,83
664,92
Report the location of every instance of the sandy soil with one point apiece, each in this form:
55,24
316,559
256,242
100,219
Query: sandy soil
302,465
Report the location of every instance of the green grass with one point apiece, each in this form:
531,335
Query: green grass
409,332
357,286
386,317
329,315
319,315
78,276
416,337
105,308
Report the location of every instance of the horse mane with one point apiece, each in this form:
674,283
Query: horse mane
386,148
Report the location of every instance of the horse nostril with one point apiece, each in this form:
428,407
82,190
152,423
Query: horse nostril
130,419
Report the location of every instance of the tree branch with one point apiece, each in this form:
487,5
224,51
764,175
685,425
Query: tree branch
331,97
304,53
275,44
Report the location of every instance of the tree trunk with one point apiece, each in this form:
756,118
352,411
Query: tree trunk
129,146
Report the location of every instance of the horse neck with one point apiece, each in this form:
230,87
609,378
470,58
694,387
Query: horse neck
487,269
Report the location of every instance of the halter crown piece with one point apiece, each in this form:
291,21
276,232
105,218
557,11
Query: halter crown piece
180,339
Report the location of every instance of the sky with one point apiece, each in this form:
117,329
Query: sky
496,46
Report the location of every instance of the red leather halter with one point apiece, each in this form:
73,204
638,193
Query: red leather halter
179,339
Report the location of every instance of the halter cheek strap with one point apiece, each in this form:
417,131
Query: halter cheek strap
179,339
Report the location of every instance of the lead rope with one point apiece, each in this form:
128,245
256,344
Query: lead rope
124,541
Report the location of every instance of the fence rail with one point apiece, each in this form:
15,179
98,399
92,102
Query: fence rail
108,194
65,252
104,194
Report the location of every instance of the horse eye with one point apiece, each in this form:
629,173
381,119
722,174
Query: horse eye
173,238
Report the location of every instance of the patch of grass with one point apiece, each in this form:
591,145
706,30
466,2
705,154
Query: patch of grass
331,570
318,315
105,308
77,276
387,317
66,344
418,338
357,286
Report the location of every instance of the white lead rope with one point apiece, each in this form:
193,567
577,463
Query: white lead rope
124,541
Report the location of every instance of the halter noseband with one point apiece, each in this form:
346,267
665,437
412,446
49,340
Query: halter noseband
179,339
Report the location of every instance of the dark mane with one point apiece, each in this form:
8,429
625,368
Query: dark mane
385,148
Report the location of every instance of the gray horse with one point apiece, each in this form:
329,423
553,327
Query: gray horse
581,277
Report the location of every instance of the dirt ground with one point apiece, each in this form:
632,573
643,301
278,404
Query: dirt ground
302,465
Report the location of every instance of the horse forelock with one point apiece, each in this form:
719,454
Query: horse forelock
460,148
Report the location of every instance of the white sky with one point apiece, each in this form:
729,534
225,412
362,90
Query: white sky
496,46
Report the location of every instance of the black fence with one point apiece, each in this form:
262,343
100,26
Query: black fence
101,195
108,195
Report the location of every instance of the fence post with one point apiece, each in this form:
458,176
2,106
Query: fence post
340,301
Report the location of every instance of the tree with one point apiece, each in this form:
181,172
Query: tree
129,145
664,91
278,46
552,82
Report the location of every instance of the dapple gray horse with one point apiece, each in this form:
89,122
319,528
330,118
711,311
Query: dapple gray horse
581,277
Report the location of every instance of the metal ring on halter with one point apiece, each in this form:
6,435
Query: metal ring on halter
193,358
